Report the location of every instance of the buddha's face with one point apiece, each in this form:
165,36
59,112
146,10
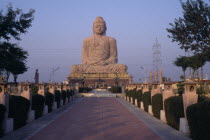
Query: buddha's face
99,28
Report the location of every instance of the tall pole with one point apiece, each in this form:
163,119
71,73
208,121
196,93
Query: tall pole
54,72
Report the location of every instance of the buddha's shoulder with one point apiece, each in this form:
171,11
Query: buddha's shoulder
88,38
110,38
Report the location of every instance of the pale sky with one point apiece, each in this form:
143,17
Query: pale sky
57,32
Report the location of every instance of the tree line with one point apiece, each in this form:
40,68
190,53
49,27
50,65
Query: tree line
192,33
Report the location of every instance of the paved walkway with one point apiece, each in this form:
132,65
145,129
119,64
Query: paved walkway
97,119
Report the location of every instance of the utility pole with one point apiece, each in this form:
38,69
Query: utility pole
54,72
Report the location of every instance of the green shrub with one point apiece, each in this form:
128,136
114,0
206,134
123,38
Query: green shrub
58,97
34,89
157,104
147,100
84,89
49,99
68,94
63,94
139,96
2,114
198,116
38,105
18,110
116,89
72,93
174,110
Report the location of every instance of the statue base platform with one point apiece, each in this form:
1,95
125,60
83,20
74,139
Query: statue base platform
98,79
111,68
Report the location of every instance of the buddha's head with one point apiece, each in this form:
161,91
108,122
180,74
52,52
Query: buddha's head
99,26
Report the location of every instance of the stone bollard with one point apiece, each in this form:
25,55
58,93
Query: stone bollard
76,89
150,109
52,90
41,91
136,102
4,99
168,92
123,88
189,97
28,95
142,105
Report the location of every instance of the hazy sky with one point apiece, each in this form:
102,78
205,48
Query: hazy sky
56,36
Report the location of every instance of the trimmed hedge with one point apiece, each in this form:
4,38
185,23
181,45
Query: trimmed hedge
198,116
139,97
157,104
116,89
2,114
64,94
57,97
147,100
49,98
38,105
18,110
68,94
84,89
174,110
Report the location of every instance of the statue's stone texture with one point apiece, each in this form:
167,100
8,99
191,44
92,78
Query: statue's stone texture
99,53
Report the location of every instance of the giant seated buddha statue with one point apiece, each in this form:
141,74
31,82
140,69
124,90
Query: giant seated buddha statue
99,52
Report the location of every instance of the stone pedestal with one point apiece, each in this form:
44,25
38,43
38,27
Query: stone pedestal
45,110
76,89
183,126
59,87
41,87
139,87
136,102
123,88
155,89
163,116
52,88
150,109
7,125
31,116
64,87
142,105
54,107
28,95
189,97
61,103
145,88
168,92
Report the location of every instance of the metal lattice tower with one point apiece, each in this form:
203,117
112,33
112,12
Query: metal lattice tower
157,57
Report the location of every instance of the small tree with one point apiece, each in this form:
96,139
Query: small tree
191,31
13,23
195,62
182,62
